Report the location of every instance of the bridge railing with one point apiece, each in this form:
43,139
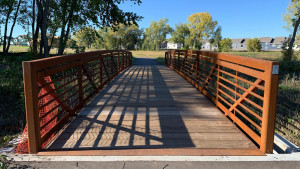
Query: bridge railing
245,89
58,87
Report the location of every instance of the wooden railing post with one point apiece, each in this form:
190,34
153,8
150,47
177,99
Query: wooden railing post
31,106
269,108
118,60
197,69
166,62
130,59
123,61
101,71
80,93
111,63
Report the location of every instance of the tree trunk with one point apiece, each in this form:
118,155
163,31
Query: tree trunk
52,38
43,10
5,30
62,33
12,27
291,43
65,36
34,38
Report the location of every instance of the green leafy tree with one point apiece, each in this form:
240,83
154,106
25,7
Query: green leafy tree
292,18
216,38
201,27
156,34
225,45
124,37
86,37
181,35
71,15
254,45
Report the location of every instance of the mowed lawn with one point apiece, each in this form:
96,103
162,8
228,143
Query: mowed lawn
157,54
260,55
147,54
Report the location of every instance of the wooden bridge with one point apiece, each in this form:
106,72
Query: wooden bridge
99,104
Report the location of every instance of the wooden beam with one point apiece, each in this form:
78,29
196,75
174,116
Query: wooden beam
31,107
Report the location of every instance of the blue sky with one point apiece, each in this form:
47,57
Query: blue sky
238,18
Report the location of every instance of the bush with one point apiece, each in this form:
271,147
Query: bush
225,45
254,45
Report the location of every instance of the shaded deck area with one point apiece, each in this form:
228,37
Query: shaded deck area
151,110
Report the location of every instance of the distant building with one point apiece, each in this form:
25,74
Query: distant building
206,45
170,45
237,44
11,41
266,43
22,40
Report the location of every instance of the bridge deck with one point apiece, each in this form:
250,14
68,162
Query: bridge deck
150,110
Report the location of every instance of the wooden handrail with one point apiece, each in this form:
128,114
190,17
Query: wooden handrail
75,78
245,89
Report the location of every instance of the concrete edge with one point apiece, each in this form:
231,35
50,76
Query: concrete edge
269,157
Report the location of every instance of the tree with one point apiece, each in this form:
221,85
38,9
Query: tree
201,27
292,18
71,15
86,37
156,34
254,45
181,35
125,37
225,45
133,38
216,38
9,12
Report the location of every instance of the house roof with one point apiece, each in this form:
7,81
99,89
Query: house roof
245,40
279,40
266,39
237,40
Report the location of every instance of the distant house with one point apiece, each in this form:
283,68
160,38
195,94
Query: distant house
278,42
11,41
266,43
22,40
206,45
237,44
170,45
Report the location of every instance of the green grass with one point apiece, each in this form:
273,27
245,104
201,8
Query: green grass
148,54
274,56
16,49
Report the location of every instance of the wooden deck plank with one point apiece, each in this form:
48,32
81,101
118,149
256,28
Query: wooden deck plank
152,110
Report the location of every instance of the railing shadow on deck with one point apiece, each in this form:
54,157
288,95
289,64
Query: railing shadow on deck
134,81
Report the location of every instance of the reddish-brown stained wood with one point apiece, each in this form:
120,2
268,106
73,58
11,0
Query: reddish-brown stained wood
270,101
31,106
255,68
34,72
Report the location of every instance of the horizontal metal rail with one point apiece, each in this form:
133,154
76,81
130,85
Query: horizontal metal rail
245,89
67,82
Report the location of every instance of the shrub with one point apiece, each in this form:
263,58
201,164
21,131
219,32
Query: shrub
225,45
254,45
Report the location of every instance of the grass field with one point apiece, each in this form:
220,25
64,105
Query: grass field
17,49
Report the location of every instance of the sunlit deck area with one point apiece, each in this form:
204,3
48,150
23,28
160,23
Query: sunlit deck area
149,109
